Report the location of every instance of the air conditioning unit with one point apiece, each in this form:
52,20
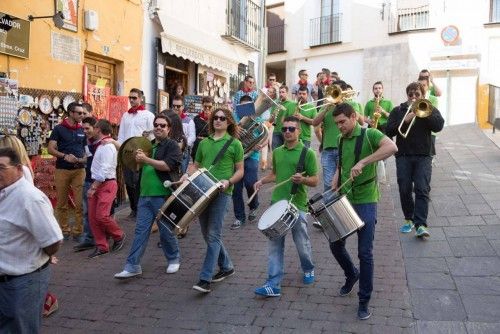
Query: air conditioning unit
91,20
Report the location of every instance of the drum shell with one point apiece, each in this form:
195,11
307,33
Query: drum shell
188,201
281,226
337,217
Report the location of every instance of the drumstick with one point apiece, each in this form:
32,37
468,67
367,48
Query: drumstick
343,184
168,183
276,186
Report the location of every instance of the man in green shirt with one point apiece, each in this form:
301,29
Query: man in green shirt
279,114
166,157
385,106
285,160
434,90
362,192
228,170
305,112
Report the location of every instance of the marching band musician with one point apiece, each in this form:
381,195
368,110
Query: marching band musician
305,112
166,157
278,114
228,170
359,150
251,169
414,160
379,105
285,160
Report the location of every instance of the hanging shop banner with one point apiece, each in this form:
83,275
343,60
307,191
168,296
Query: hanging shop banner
99,99
14,36
118,105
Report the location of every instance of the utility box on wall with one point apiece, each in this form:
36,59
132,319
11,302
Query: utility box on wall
91,19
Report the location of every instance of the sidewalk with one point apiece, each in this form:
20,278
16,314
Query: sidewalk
454,277
448,284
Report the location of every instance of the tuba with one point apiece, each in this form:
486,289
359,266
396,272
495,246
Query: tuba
422,109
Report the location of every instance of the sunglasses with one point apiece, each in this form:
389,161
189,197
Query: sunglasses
207,107
272,79
176,106
133,97
220,118
79,112
414,94
288,128
163,126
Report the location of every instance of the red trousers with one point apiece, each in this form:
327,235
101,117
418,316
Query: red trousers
101,223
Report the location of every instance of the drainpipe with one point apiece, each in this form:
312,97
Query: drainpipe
263,43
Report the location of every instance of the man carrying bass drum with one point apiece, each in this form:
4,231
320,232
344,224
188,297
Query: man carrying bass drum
359,150
285,161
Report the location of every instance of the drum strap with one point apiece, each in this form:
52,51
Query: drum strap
221,152
357,153
300,168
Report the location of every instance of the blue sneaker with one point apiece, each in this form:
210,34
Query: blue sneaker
268,291
407,227
422,232
308,277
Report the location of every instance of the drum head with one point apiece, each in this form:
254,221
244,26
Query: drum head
273,214
126,154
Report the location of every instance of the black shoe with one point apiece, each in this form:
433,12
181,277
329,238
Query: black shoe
66,236
97,252
317,225
118,244
349,284
77,238
83,246
221,275
363,312
202,286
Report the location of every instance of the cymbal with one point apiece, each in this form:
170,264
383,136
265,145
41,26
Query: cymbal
126,154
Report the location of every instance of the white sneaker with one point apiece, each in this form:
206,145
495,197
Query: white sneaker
127,274
173,268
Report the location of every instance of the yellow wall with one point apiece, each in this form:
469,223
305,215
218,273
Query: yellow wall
120,29
482,106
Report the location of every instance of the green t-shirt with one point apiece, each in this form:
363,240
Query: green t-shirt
434,100
384,104
285,162
151,184
281,114
305,129
356,105
330,129
366,193
224,169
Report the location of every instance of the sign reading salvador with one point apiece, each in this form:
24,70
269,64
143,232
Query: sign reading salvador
14,36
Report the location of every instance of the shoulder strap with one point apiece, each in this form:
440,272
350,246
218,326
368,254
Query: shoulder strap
359,145
339,161
300,168
222,151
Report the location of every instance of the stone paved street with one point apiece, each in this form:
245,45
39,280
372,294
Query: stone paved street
447,284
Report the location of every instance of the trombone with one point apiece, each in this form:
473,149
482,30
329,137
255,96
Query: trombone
422,109
334,95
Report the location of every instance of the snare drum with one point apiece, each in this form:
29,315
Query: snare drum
188,201
337,216
278,219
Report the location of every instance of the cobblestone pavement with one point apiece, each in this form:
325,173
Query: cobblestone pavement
448,284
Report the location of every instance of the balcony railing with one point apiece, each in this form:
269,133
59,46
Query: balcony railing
276,39
407,19
325,30
244,23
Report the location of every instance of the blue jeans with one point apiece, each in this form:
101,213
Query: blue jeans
21,302
276,252
277,140
87,236
414,175
251,168
185,160
147,208
368,214
329,159
211,223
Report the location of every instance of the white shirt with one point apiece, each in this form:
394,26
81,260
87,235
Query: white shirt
104,162
27,174
27,225
133,125
189,131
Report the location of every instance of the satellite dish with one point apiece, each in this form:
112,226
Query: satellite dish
58,19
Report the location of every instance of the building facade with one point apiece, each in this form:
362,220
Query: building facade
207,47
366,41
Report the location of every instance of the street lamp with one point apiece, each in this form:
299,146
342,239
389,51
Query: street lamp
58,18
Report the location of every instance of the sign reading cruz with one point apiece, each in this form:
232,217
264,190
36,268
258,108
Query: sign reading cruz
14,36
